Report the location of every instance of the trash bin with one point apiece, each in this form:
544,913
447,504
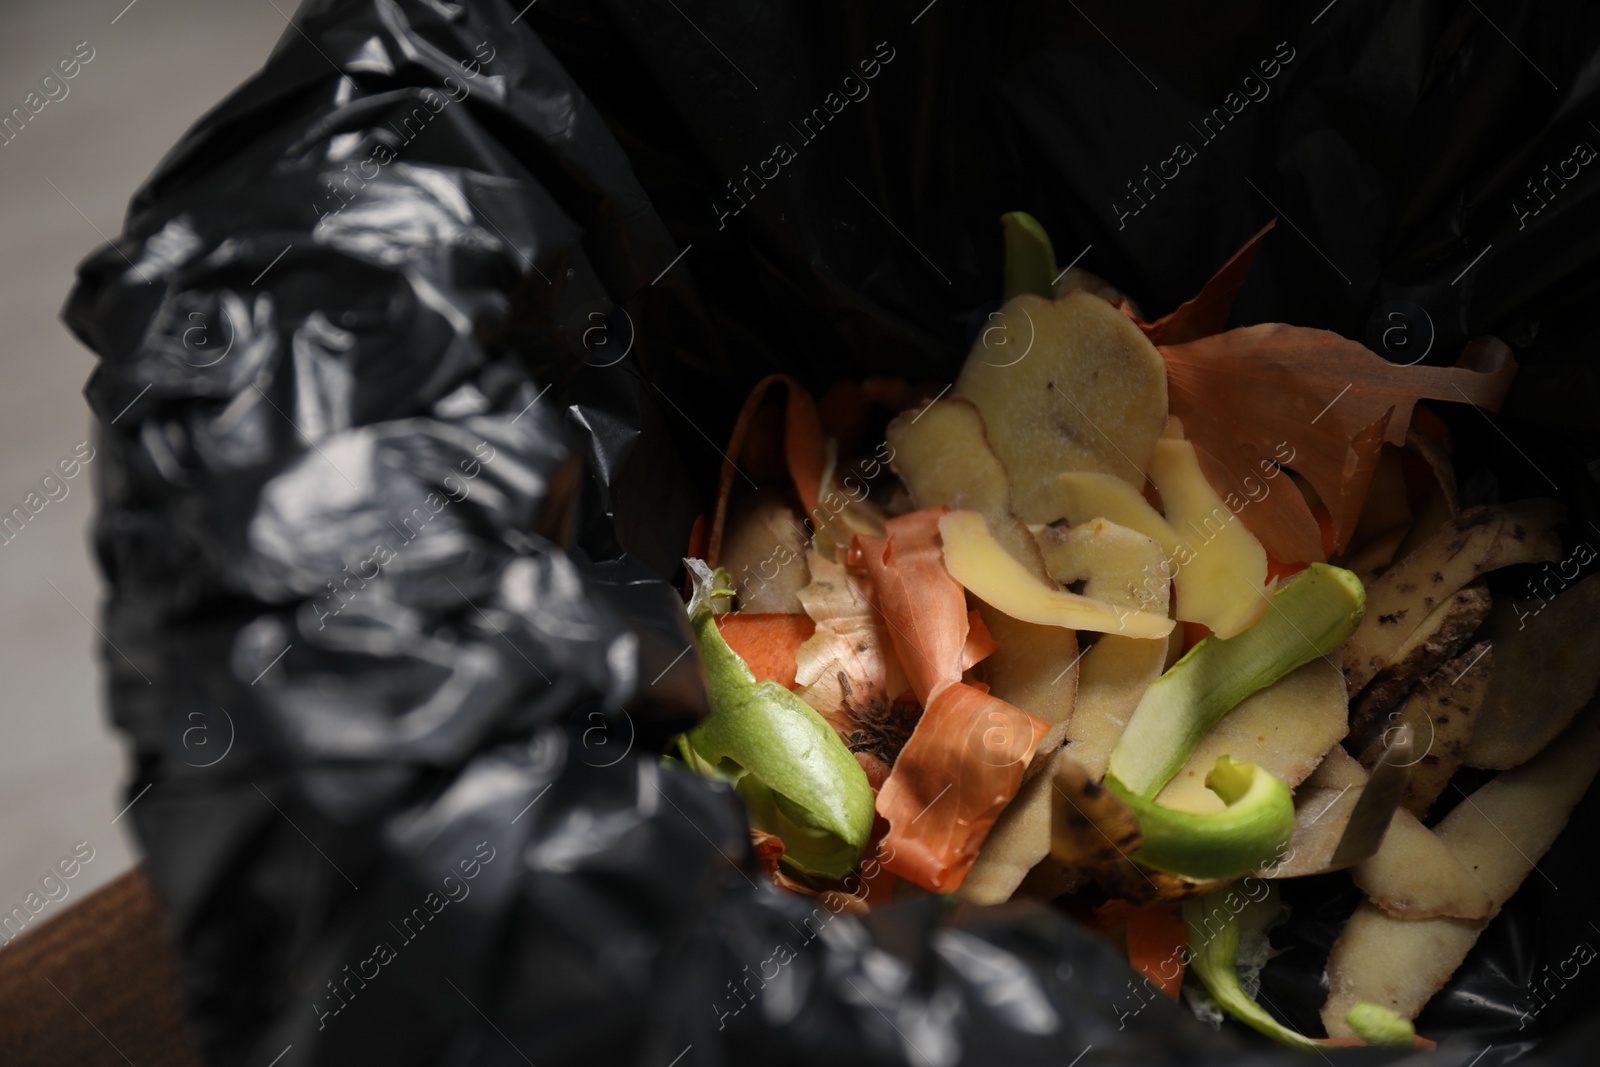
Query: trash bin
417,355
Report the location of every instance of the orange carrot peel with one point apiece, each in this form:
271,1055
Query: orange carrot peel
1157,938
767,641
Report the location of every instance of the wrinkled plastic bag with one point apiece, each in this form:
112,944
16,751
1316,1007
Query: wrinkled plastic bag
416,357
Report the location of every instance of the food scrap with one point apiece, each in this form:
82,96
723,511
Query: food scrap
1140,619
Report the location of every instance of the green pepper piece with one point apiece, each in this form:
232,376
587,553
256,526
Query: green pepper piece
1030,258
1212,955
1249,833
1308,617
795,775
1377,1025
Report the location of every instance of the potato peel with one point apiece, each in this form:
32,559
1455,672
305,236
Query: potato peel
1442,715
1375,807
1320,818
1035,668
1019,839
764,533
1113,675
1475,542
1547,665
1496,835
942,454
1414,875
1341,814
1065,385
977,561
1444,632
1220,577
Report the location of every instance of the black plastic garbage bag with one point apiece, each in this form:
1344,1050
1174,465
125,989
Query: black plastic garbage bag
416,357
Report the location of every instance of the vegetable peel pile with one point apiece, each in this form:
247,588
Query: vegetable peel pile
1137,617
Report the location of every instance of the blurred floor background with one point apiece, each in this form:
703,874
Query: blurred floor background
65,180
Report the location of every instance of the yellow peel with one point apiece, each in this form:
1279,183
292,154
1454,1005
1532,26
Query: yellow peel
1220,572
1115,563
978,562
1090,496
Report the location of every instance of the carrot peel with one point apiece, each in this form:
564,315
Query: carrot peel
768,642
1157,939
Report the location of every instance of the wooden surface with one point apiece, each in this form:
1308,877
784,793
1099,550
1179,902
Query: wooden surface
95,985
